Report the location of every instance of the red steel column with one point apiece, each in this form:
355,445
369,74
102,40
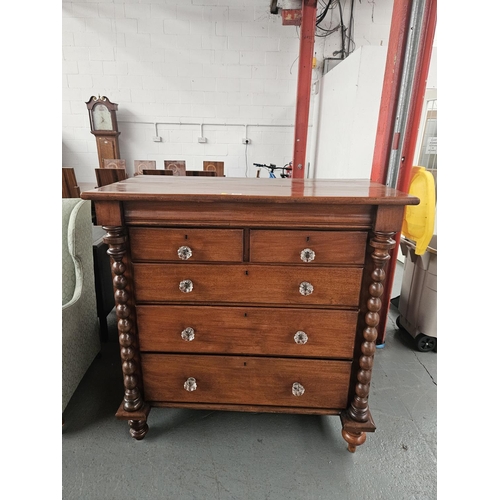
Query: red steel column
306,52
422,65
417,102
390,89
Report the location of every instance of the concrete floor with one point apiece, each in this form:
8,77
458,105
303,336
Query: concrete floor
250,456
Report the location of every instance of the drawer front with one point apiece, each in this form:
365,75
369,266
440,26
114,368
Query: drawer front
247,284
205,245
247,330
329,247
245,380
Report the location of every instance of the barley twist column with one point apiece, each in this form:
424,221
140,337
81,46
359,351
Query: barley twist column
132,401
358,410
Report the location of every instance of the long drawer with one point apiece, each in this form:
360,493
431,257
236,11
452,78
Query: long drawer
195,245
312,333
258,284
245,380
313,247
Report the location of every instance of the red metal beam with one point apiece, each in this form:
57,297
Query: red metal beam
417,102
306,52
422,65
390,89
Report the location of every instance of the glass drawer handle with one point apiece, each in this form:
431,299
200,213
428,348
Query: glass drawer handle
300,337
187,334
184,253
190,384
307,255
305,288
186,286
297,389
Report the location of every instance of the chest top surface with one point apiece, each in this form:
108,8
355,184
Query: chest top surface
311,191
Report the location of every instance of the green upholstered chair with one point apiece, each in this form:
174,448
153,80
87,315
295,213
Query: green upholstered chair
80,325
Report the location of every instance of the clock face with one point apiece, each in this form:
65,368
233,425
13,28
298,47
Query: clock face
102,118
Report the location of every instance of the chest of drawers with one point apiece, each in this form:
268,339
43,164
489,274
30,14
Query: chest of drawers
257,295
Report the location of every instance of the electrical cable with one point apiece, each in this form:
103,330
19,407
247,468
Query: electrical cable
346,32
323,13
342,33
351,24
326,31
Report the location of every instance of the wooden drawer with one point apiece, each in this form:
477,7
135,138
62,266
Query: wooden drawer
330,247
247,330
245,380
257,284
207,245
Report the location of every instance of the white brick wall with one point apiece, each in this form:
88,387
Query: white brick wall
224,63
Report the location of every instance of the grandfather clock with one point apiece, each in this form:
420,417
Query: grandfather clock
103,124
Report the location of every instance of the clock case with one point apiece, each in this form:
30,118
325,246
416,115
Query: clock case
107,140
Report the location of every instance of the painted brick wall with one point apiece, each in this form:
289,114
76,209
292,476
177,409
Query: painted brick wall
227,68
202,61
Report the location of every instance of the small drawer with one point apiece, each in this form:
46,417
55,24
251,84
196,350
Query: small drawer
310,247
186,245
251,283
245,380
304,333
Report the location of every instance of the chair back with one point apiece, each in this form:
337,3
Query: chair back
70,187
214,166
201,173
114,163
105,176
157,171
178,167
140,165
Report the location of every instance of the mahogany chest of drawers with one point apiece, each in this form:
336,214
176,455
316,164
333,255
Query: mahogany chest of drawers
257,295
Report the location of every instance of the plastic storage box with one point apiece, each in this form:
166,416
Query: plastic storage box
418,299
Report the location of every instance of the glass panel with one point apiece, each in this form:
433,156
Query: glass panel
428,148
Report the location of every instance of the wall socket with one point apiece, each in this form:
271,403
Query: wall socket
246,141
157,138
202,139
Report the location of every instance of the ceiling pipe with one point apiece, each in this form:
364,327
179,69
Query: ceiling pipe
306,53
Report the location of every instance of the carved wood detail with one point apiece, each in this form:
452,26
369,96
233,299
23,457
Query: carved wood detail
358,410
133,401
214,166
114,163
140,165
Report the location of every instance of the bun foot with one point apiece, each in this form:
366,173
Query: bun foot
138,429
136,420
353,439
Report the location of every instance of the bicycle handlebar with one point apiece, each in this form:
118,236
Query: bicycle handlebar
272,167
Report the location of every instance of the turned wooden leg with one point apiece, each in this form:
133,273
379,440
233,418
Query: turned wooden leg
138,429
137,420
355,432
353,439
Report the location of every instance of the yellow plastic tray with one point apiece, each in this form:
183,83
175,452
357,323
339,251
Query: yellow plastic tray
418,222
